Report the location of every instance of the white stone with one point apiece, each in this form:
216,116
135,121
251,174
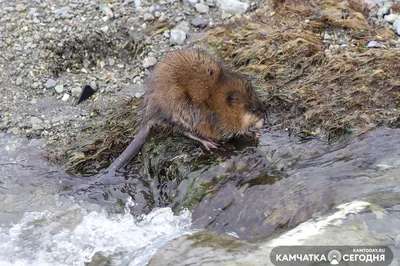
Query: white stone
177,37
233,6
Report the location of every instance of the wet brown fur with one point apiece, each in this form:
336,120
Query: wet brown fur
189,91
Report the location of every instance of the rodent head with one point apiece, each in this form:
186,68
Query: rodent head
243,104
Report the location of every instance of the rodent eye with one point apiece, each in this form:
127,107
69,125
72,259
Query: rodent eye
254,110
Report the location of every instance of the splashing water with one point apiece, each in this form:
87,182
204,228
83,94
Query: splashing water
74,235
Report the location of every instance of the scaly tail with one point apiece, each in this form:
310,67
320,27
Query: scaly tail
131,151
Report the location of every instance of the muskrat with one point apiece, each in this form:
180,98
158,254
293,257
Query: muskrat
192,94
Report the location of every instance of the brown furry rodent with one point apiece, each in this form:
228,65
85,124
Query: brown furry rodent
190,93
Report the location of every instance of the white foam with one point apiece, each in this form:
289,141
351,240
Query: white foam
72,236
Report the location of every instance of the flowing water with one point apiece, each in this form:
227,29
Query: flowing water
281,191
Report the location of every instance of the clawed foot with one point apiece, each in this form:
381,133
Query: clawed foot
254,134
208,144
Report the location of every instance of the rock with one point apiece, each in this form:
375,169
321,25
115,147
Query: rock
21,7
157,14
183,26
202,8
166,35
327,36
65,97
106,10
192,2
19,81
149,62
375,44
233,6
59,88
37,127
35,121
62,12
50,83
139,94
148,17
76,91
391,18
177,37
199,23
104,29
396,26
383,11
35,85
162,17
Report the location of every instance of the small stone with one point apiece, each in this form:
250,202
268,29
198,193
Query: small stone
157,14
396,26
21,7
19,81
177,37
383,11
183,26
166,35
149,62
375,44
202,8
162,17
192,2
106,10
233,6
35,85
199,23
327,36
104,29
139,94
76,91
152,9
50,83
65,97
148,17
37,127
225,15
391,18
59,88
35,121
62,12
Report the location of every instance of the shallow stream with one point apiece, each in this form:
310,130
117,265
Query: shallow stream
244,200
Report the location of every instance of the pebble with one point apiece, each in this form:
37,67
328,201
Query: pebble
391,18
50,83
65,97
59,88
76,91
62,12
35,121
162,17
383,11
199,23
139,94
233,6
21,7
192,2
396,26
148,17
157,14
19,81
177,37
104,29
327,36
35,85
106,10
202,8
149,62
375,44
183,26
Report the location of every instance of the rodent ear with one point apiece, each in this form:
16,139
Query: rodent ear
231,98
210,71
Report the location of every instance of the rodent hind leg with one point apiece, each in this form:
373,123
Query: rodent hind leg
208,144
